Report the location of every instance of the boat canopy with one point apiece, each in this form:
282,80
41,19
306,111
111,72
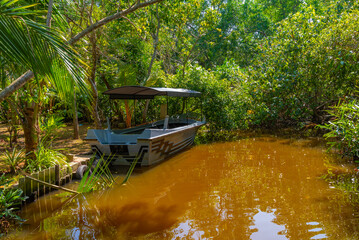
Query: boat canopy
140,92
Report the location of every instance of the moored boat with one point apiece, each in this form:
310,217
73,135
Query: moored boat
147,144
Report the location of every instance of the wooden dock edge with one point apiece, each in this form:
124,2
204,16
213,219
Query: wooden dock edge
40,183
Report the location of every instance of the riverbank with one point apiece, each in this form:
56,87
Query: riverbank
64,142
251,188
78,147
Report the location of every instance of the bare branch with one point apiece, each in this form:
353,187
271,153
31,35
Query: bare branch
23,79
49,12
17,84
155,43
111,18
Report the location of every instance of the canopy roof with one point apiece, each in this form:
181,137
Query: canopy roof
139,92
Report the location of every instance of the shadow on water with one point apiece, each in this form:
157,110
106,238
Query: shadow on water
258,188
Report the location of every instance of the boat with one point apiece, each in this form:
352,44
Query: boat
147,144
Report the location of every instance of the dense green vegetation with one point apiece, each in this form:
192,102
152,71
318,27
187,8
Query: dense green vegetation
259,64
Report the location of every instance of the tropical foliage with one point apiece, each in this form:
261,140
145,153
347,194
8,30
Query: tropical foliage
343,129
13,158
259,64
9,200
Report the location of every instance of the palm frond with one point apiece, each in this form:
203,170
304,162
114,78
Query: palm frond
39,48
9,7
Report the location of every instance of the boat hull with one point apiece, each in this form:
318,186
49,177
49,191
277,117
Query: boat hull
147,151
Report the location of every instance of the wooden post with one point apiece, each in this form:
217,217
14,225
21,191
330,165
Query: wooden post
22,185
36,186
47,179
42,178
57,175
27,186
52,175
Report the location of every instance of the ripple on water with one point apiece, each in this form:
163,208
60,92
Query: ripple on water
262,188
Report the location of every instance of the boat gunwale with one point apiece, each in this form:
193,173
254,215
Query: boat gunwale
174,130
195,124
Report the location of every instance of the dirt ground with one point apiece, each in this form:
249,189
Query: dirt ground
64,141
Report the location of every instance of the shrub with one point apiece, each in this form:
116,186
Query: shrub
306,66
45,158
14,158
220,100
343,129
9,199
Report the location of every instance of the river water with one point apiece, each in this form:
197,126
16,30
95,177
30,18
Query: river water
257,188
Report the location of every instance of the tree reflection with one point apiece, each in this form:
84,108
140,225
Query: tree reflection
219,191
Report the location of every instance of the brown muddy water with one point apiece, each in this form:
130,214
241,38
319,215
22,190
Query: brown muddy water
258,188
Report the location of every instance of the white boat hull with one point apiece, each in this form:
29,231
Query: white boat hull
150,147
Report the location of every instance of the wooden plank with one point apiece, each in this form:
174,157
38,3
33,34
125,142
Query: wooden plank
68,170
47,179
52,175
42,178
36,186
74,166
51,185
27,186
63,172
22,185
57,174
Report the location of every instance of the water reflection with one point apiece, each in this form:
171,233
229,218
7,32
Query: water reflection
260,188
265,228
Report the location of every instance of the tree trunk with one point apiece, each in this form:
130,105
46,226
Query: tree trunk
75,119
128,114
92,79
144,113
30,126
12,129
31,114
155,46
49,13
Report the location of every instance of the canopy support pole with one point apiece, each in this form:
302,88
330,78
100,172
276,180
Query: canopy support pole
185,105
167,106
134,111
201,108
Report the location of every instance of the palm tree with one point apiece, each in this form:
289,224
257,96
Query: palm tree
33,45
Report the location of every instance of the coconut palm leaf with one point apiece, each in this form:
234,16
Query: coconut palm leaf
10,7
34,46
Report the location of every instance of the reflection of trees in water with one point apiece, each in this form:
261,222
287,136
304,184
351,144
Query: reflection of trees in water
215,191
266,177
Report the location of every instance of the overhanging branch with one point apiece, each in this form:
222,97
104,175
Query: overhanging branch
23,79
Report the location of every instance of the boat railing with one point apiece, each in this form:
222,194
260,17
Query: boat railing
189,115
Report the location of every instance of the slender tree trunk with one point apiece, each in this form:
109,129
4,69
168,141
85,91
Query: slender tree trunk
92,79
31,114
144,113
187,58
75,118
155,46
12,129
14,139
30,126
116,107
128,114
49,13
